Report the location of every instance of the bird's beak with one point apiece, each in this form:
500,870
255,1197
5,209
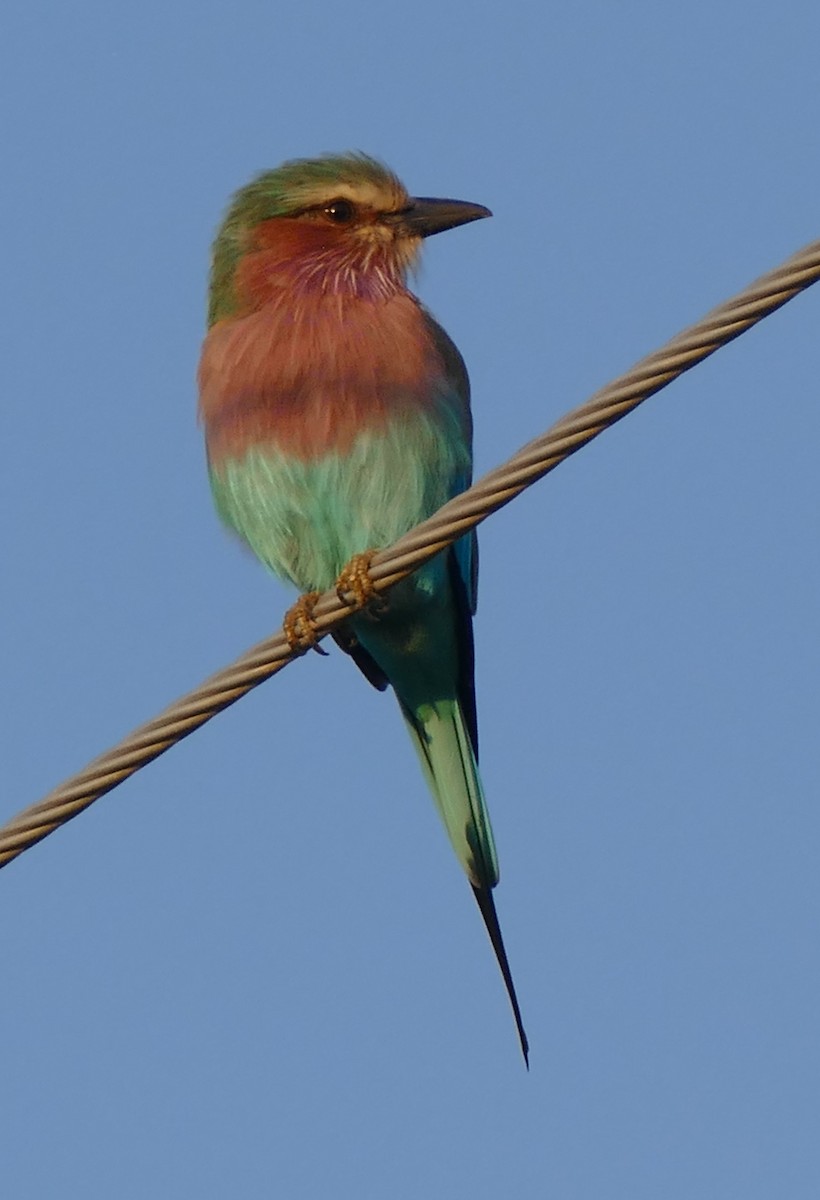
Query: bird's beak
424,216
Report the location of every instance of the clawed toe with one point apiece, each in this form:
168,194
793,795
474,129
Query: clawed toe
354,586
300,625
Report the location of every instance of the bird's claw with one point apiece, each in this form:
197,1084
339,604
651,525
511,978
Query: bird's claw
299,624
354,586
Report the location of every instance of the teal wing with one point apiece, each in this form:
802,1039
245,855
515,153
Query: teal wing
464,552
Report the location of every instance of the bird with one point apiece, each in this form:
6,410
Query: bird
336,414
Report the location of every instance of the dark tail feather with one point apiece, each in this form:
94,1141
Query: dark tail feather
484,899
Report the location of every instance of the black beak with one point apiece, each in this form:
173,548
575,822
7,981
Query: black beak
424,216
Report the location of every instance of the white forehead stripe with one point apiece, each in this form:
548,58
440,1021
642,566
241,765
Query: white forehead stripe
379,197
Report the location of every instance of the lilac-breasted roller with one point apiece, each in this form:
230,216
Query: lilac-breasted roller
337,416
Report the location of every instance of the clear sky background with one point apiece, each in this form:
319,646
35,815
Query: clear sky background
256,968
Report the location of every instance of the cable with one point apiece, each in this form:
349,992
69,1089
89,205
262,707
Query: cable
389,566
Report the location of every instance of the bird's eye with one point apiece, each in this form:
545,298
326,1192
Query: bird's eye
341,211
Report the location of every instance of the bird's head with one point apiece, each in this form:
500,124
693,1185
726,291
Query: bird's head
336,225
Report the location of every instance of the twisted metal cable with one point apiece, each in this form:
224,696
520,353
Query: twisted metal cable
490,493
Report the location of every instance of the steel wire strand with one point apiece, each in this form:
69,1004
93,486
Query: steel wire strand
389,566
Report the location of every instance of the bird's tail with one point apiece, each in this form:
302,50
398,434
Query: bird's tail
441,738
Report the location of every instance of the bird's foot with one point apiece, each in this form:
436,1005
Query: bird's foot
354,586
300,625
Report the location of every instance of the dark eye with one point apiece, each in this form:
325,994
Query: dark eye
341,211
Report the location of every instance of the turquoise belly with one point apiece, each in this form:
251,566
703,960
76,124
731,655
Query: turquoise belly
305,519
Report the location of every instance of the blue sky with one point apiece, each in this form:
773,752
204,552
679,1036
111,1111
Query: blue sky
256,969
